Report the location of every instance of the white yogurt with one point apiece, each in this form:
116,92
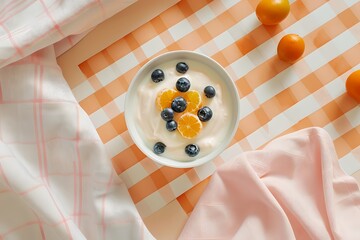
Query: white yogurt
152,127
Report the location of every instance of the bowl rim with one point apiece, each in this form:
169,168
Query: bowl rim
170,162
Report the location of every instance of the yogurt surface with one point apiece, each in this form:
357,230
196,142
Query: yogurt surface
152,127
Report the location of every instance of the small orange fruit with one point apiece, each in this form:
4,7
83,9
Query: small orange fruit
193,99
271,12
290,47
353,85
189,125
165,98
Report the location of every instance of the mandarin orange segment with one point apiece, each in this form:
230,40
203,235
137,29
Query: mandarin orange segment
165,98
193,100
189,125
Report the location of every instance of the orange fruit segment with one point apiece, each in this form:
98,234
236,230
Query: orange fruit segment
165,98
189,125
193,100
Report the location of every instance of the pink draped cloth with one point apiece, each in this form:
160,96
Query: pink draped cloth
27,26
291,189
56,179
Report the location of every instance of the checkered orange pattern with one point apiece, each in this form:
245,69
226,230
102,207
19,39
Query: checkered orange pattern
276,97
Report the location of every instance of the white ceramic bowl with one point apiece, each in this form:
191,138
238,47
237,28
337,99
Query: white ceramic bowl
132,107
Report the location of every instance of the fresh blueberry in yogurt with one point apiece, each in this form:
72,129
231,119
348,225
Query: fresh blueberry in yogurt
209,91
159,148
178,104
205,114
183,84
171,125
192,150
157,75
167,114
182,67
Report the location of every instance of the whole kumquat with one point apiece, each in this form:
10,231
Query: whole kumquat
353,85
272,12
290,48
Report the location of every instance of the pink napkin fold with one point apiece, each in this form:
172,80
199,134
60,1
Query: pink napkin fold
291,189
29,26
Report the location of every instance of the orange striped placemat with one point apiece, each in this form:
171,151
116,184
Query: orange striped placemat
276,97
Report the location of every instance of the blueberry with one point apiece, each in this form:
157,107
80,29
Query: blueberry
159,148
178,104
204,114
182,67
192,150
167,114
171,125
182,84
157,75
209,91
